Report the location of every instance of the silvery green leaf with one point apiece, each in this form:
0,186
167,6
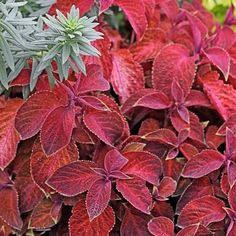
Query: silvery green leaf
18,67
43,65
3,73
79,62
16,4
25,92
34,74
7,52
53,25
51,78
12,31
65,53
52,52
3,9
89,49
60,68
24,21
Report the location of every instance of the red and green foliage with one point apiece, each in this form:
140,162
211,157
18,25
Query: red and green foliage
143,144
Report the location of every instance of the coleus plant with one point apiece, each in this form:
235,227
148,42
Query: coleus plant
125,127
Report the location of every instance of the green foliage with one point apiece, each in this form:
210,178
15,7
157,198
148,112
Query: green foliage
24,39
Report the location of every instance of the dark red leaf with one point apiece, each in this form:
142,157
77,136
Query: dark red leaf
173,63
9,138
58,129
127,75
203,164
136,193
144,165
98,197
161,226
79,222
80,178
108,126
9,211
204,210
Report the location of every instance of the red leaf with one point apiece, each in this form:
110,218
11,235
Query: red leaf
79,223
135,12
93,81
104,5
80,178
220,58
165,136
9,211
203,163
42,167
144,165
230,123
169,7
148,126
205,210
65,5
98,197
29,193
231,197
197,98
136,193
197,189
45,215
149,45
9,138
155,100
114,161
161,226
222,97
127,75
58,129
173,63
195,230
134,223
108,126
33,112
167,187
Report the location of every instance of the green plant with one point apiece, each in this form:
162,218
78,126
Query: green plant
26,39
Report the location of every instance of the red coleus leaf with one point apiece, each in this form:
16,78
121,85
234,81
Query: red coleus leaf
219,58
165,136
114,161
127,75
195,230
98,197
58,129
231,197
135,223
104,5
144,165
79,222
230,123
161,226
32,114
169,7
29,193
42,166
46,214
92,81
9,207
9,138
65,6
197,189
203,163
108,126
154,100
222,96
136,193
173,63
166,188
135,12
80,178
204,210
149,45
